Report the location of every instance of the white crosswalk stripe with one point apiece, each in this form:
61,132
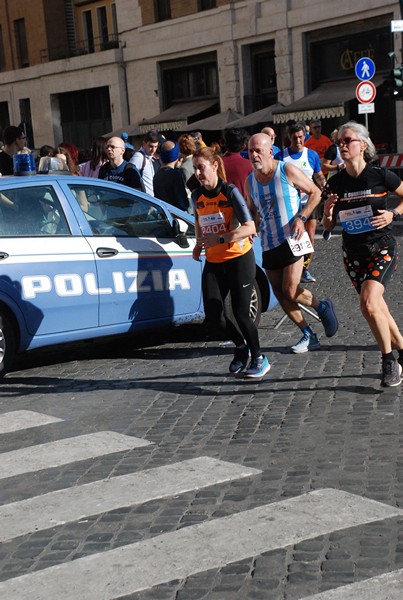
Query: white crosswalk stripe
61,452
197,548
384,587
179,554
24,419
62,506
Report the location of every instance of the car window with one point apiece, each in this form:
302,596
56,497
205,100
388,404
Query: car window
114,213
31,211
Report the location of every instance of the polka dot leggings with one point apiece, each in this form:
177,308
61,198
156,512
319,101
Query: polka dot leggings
379,266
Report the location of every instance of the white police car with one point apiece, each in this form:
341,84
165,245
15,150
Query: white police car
83,258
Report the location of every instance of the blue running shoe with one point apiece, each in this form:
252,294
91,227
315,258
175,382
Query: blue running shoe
309,341
258,367
307,277
328,318
240,360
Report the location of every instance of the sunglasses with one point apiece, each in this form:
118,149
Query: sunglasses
346,141
114,147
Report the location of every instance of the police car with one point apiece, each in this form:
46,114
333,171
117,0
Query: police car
83,258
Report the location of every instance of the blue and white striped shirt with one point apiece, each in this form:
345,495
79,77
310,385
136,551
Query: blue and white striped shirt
278,202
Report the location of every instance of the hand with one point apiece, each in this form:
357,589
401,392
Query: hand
384,218
196,253
329,204
210,240
297,229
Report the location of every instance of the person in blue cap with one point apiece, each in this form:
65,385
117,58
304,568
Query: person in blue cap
129,148
168,181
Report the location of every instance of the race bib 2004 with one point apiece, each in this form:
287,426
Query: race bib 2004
214,223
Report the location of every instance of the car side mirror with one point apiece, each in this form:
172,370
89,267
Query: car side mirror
179,228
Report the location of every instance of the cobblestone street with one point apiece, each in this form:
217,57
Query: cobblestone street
318,421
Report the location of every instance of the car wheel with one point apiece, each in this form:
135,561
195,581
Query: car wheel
7,345
255,309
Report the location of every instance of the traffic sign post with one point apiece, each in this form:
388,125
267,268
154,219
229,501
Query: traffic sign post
365,91
365,68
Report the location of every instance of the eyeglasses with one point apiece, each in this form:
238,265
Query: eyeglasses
346,141
114,147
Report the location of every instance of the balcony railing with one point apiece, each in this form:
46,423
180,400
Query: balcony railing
81,48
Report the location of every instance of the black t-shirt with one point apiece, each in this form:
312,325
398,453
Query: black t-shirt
125,174
6,164
169,186
331,152
368,192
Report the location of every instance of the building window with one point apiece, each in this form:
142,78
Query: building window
114,20
260,76
21,43
85,115
2,56
26,121
206,4
102,26
162,10
88,31
190,81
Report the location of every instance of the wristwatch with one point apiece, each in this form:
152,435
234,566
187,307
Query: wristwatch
221,239
303,218
396,215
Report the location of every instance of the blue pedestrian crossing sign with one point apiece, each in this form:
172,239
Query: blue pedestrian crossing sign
365,68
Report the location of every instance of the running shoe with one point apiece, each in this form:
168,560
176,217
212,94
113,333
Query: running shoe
391,372
258,367
307,277
309,341
329,319
240,360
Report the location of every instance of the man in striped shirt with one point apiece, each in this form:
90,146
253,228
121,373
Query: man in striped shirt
273,193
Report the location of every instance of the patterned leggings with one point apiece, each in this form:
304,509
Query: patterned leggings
377,266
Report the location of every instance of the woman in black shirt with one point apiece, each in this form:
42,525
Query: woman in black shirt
358,197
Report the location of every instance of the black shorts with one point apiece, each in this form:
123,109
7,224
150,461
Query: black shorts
279,257
374,262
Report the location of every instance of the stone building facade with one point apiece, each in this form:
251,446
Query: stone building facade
95,66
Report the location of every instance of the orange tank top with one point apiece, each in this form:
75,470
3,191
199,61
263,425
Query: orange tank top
216,215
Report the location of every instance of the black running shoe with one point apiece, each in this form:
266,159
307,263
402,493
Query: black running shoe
391,372
240,360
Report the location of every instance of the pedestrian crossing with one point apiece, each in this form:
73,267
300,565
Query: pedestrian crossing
24,419
212,544
64,506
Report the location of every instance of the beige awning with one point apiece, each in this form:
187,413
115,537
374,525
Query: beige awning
265,115
177,116
216,122
326,101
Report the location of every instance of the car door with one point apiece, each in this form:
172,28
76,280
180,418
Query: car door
46,263
143,273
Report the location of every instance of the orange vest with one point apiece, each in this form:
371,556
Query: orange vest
216,215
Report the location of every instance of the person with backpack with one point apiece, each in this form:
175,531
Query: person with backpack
117,169
143,160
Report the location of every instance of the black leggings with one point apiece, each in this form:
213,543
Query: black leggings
236,276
